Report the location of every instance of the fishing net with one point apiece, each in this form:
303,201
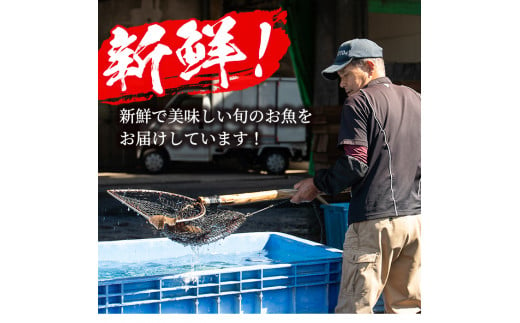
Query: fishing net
181,218
184,219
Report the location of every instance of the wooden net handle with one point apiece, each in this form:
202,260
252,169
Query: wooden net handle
244,198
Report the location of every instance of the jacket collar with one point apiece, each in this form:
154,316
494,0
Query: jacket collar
380,80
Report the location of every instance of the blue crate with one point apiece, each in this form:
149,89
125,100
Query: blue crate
336,223
303,278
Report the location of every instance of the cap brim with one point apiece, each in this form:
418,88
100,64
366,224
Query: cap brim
331,72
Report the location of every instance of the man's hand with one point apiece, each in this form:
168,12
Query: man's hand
307,191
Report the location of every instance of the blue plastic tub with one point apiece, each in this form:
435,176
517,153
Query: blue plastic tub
336,223
291,275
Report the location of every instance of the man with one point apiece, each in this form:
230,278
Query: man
380,135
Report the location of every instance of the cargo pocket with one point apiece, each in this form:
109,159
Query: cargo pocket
361,267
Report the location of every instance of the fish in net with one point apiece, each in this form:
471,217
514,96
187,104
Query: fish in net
183,219
215,225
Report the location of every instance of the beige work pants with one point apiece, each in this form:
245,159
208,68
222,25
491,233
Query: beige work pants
382,256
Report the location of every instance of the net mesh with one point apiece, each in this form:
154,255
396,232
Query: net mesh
149,203
215,225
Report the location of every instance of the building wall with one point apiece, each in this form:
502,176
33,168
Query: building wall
129,13
399,35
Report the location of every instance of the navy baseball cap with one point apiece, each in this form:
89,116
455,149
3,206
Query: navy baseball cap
355,48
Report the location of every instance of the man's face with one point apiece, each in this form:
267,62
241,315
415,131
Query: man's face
353,78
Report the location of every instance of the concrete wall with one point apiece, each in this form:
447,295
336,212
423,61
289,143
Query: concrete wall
399,35
128,13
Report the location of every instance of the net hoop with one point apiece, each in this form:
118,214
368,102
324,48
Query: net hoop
116,194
